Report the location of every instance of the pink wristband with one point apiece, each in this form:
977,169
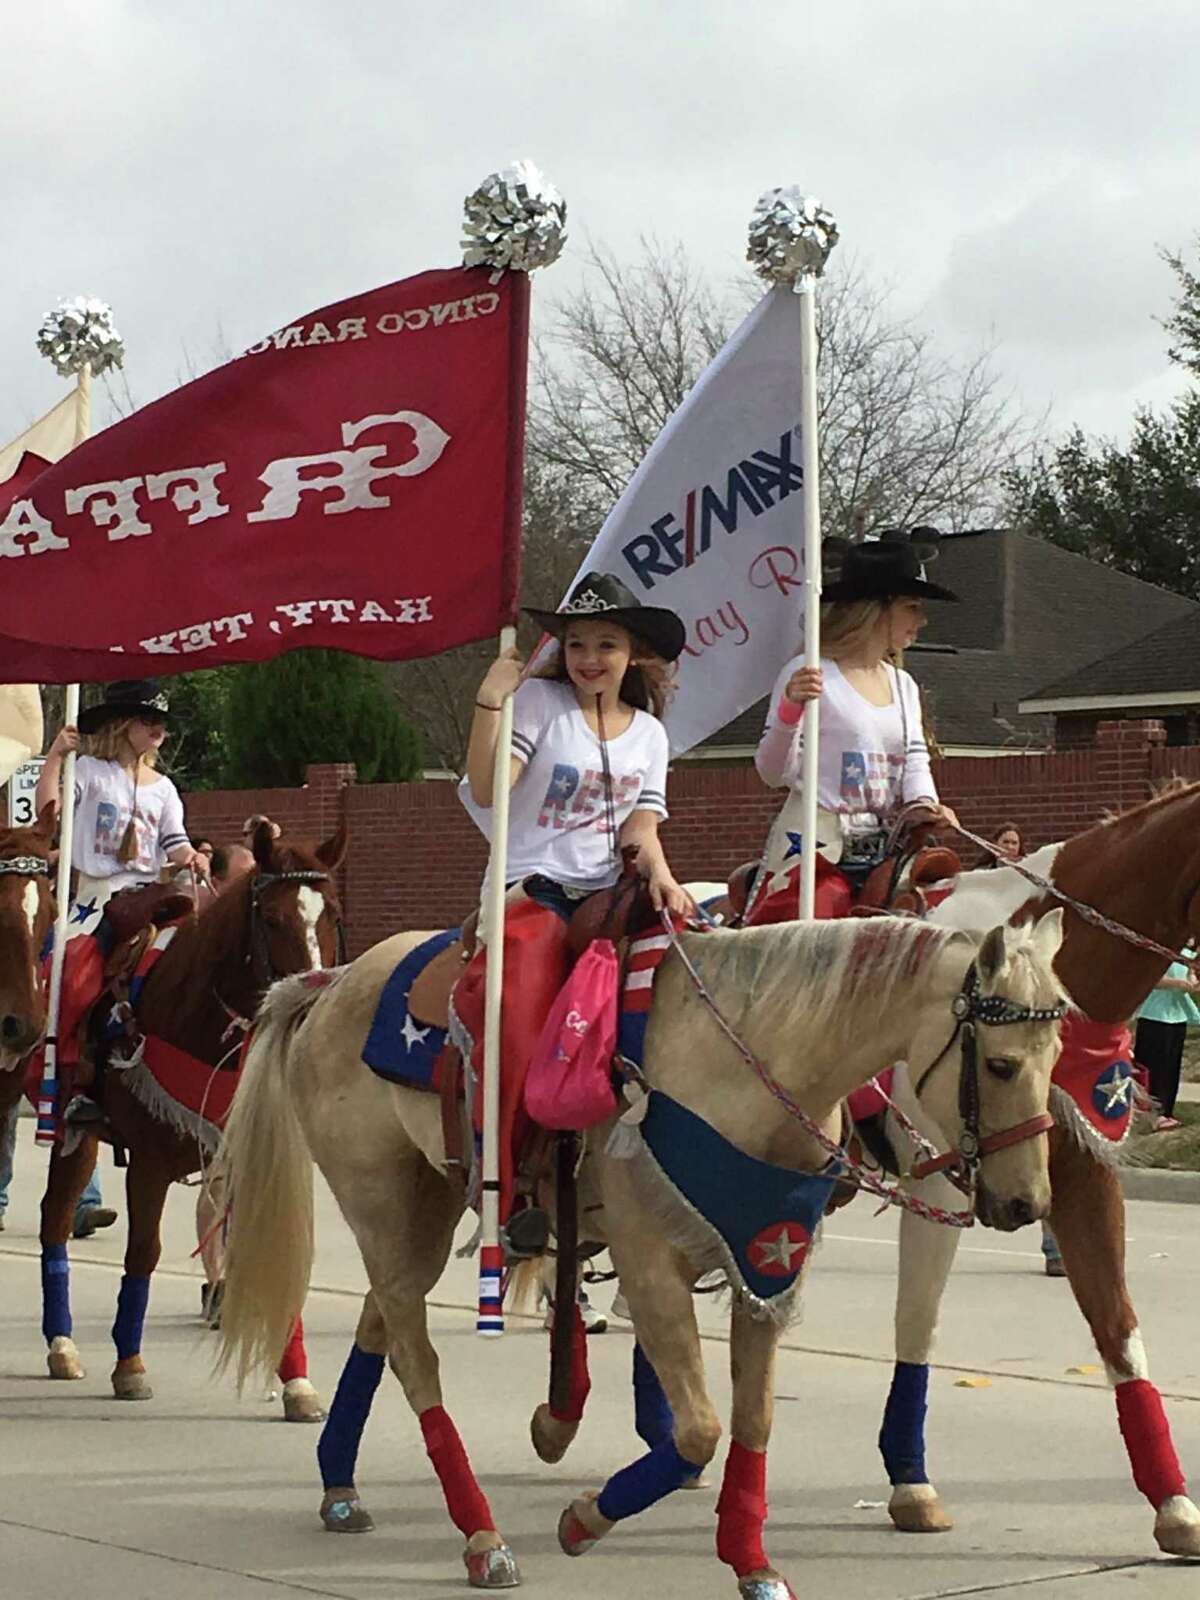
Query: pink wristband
788,712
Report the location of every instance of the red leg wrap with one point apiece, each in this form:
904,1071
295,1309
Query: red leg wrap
581,1383
294,1361
1147,1436
465,1500
742,1510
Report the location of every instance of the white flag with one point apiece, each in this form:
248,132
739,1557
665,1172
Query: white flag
712,523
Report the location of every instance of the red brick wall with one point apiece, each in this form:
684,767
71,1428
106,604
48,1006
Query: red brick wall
415,859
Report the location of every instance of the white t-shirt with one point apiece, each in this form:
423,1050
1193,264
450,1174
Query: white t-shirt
557,819
103,807
864,764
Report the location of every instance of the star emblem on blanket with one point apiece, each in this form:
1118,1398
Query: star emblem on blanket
779,1249
411,1033
1113,1094
83,910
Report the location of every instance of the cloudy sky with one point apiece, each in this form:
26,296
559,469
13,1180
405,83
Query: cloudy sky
213,168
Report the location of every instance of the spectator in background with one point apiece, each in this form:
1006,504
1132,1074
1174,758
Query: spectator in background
229,862
1009,843
1162,1024
250,828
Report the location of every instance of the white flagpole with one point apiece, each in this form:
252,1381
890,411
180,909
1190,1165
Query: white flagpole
812,587
515,221
48,1092
791,235
490,1320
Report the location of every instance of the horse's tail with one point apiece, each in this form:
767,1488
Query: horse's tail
266,1169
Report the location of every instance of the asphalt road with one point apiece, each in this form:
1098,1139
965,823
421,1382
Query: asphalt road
201,1494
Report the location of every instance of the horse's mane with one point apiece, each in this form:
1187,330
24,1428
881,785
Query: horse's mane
1166,792
813,975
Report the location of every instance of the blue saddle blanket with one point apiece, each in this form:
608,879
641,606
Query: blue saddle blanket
399,1046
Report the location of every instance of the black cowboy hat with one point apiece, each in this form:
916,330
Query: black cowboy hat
602,594
130,697
883,568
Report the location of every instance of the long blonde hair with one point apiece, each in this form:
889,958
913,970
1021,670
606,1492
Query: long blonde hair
847,624
111,742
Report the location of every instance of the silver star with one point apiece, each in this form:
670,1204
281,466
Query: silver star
1118,1092
412,1034
780,1250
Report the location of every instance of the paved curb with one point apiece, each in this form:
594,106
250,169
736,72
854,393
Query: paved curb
1153,1183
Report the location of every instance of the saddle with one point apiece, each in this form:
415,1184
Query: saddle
129,911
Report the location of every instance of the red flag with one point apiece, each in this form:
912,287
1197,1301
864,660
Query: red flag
352,481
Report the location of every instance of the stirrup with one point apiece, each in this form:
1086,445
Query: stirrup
83,1112
526,1235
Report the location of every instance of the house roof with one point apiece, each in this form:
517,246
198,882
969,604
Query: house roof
1165,663
1030,613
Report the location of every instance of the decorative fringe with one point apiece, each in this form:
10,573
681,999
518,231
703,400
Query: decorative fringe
625,1140
691,1233
1109,1152
146,1089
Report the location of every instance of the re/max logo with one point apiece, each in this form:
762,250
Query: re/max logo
753,486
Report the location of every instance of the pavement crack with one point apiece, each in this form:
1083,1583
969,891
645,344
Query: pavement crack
1001,1585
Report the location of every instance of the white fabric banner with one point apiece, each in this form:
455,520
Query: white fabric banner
712,523
48,439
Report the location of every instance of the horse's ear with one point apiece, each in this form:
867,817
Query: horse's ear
47,817
1048,934
263,844
333,851
993,954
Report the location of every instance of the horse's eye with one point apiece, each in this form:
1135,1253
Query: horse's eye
1003,1067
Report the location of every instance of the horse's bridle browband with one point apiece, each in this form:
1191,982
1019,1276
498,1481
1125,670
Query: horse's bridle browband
258,937
25,866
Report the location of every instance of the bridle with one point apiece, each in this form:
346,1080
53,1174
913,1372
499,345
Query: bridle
258,943
25,866
970,1008
961,1165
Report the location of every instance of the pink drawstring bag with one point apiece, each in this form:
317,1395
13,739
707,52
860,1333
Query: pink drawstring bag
569,1084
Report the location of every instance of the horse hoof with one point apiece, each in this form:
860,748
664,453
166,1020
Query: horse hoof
301,1402
62,1359
550,1435
131,1386
1177,1528
765,1586
492,1569
581,1526
343,1512
915,1508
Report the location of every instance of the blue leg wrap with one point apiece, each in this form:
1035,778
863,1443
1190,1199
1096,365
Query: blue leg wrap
902,1437
337,1450
635,1487
651,1409
56,1292
131,1316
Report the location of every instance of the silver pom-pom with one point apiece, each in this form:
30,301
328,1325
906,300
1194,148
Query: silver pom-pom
80,333
791,235
515,221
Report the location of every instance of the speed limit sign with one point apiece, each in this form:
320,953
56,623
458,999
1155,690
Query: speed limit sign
22,792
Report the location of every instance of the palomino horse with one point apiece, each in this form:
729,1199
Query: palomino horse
1143,870
826,1004
281,918
26,912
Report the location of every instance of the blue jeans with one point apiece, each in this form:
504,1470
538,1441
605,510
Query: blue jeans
1050,1244
8,1144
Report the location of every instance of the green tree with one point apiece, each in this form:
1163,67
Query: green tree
198,754
1137,507
315,706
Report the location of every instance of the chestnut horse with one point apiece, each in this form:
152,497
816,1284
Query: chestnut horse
281,918
857,994
1141,869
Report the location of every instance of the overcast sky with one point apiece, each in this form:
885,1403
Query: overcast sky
215,168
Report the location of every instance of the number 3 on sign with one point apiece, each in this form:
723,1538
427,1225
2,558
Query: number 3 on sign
22,793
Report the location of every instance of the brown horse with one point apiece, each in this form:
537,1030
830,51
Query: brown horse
1141,869
280,919
26,913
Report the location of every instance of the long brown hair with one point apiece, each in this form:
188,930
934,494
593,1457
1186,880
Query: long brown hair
648,684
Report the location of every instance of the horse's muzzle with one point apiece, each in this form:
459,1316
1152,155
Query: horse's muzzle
19,1034
1006,1216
